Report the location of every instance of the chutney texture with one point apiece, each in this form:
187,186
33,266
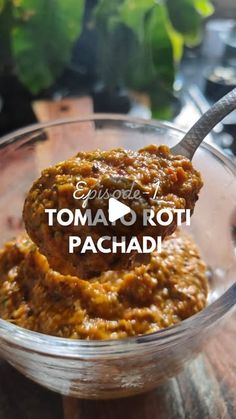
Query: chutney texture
114,305
178,188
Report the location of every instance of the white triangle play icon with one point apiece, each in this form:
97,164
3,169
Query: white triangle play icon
117,210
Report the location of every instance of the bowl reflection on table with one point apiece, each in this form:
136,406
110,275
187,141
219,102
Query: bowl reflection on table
117,368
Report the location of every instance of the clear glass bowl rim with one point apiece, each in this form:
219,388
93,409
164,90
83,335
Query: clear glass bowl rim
69,348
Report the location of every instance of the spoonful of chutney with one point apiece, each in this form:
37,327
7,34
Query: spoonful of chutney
164,179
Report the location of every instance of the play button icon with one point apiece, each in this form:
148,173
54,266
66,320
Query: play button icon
117,210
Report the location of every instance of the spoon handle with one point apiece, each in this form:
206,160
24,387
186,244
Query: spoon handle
192,140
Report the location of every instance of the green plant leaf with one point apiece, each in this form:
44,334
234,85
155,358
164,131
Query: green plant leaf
142,63
150,63
2,5
133,12
163,113
159,45
204,7
109,58
43,37
186,17
140,41
177,41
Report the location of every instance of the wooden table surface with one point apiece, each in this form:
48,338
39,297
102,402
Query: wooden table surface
206,388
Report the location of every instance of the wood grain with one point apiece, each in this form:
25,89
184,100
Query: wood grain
20,398
206,389
46,110
50,151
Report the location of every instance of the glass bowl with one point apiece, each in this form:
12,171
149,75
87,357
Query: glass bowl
117,368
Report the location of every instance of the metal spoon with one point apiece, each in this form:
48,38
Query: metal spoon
194,137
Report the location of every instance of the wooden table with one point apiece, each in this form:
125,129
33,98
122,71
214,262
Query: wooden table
205,389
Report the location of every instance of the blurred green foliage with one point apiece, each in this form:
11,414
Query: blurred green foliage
141,41
36,38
